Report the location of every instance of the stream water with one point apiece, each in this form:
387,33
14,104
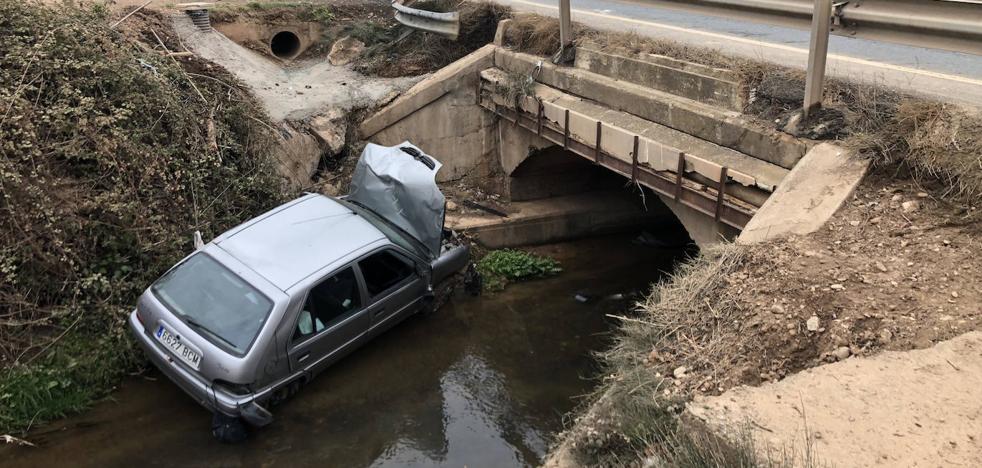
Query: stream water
483,382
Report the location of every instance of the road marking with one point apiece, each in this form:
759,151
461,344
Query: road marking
787,48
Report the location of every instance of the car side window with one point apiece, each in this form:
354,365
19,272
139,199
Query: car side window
328,303
383,270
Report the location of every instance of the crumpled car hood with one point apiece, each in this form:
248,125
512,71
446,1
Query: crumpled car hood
402,188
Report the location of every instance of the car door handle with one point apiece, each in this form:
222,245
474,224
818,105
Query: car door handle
303,357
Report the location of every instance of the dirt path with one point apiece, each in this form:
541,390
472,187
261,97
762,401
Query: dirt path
294,92
915,408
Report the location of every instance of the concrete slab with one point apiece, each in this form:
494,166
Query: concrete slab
814,190
915,408
291,93
559,218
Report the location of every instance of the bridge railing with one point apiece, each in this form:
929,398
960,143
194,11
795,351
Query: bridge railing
445,24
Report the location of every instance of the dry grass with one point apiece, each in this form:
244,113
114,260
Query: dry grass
534,34
637,417
937,142
637,410
396,54
679,321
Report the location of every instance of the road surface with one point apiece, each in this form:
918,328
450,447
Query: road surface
949,76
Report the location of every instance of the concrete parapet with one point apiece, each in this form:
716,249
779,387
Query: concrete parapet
446,80
711,86
659,147
441,115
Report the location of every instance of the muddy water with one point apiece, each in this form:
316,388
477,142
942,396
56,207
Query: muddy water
483,382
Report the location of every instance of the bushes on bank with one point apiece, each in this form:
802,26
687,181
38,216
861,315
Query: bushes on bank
110,158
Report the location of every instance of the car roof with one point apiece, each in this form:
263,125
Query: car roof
295,240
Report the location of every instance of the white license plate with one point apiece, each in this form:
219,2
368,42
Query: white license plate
173,343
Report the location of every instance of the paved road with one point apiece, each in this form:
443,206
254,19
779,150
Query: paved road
951,76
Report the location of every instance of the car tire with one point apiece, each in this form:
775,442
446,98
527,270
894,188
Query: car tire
228,429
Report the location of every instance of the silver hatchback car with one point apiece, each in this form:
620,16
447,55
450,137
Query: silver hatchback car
247,319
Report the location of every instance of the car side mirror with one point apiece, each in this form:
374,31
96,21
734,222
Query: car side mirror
199,243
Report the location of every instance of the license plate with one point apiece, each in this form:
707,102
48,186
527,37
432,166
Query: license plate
173,343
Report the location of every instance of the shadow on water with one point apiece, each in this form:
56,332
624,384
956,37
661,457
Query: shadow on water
483,382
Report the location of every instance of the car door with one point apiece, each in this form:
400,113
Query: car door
393,285
331,319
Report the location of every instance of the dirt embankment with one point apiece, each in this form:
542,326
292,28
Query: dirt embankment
895,269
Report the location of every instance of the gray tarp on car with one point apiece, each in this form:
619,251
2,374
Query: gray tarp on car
402,189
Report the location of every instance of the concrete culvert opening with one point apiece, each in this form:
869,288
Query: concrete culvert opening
284,45
594,201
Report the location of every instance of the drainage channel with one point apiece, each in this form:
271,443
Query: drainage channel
285,45
484,381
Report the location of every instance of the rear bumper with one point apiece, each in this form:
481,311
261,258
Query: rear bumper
200,390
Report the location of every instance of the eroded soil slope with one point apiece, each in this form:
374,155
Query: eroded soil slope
895,269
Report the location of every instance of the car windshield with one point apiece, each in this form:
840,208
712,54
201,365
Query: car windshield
213,300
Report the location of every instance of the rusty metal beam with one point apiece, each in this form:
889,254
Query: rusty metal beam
705,200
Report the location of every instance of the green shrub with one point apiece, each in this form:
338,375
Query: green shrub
502,266
109,160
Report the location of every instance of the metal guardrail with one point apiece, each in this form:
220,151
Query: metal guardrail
954,25
444,24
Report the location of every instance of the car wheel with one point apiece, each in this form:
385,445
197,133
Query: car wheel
228,429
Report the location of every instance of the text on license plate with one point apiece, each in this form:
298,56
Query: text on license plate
178,348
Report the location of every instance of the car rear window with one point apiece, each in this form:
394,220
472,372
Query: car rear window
213,300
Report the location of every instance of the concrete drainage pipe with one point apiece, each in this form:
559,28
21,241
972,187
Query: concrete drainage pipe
285,45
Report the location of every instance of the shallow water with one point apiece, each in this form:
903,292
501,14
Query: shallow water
482,382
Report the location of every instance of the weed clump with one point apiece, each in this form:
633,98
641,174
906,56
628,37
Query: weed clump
499,267
111,156
534,34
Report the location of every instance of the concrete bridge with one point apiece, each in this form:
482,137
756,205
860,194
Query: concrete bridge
555,140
